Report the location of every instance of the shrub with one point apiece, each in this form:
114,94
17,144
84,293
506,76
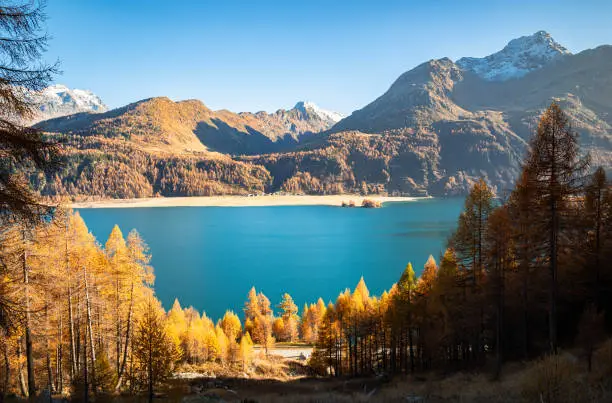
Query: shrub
551,380
603,361
369,203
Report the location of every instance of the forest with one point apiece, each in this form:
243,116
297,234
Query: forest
522,278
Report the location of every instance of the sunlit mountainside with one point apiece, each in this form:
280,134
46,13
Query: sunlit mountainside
438,128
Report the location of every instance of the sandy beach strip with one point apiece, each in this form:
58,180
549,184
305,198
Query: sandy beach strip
239,201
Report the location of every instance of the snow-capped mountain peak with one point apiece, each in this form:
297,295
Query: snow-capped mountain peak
519,57
313,111
59,100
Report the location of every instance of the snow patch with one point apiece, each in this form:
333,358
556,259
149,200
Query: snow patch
312,110
521,56
59,100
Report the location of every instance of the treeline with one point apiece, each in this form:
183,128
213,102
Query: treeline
96,167
520,277
199,340
353,162
395,163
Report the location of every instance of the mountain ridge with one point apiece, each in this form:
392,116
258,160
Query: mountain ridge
436,130
190,126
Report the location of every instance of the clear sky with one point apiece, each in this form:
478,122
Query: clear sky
265,55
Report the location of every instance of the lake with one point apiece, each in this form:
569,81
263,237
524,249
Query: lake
209,257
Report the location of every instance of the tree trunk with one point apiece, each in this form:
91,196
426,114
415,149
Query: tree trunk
411,347
7,369
118,326
552,313
150,366
22,382
127,338
85,372
60,354
27,329
73,352
48,350
90,331
552,318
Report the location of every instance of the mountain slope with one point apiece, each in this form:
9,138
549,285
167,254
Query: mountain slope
190,126
483,120
438,128
160,147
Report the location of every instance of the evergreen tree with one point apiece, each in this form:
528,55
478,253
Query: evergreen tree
527,238
154,353
556,174
289,316
468,240
598,223
21,72
230,323
499,261
246,350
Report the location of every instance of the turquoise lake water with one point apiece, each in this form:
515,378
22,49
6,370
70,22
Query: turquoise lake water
209,257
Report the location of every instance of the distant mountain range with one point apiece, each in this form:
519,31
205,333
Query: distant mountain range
439,127
58,100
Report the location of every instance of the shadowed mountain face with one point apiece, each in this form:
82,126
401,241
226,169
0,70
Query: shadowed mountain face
439,127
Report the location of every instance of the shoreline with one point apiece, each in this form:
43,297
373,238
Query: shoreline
240,201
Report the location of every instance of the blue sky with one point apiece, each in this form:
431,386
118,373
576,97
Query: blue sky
266,55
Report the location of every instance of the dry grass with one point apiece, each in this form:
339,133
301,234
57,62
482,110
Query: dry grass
552,380
602,361
272,379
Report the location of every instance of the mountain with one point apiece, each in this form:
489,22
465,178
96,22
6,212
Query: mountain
521,56
59,100
482,117
185,126
312,112
160,147
439,127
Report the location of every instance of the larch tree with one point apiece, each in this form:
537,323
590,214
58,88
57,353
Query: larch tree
230,323
469,245
224,344
251,306
527,238
306,324
499,261
246,350
118,257
22,73
428,277
403,320
556,174
468,240
176,326
259,319
598,222
139,277
153,351
289,315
